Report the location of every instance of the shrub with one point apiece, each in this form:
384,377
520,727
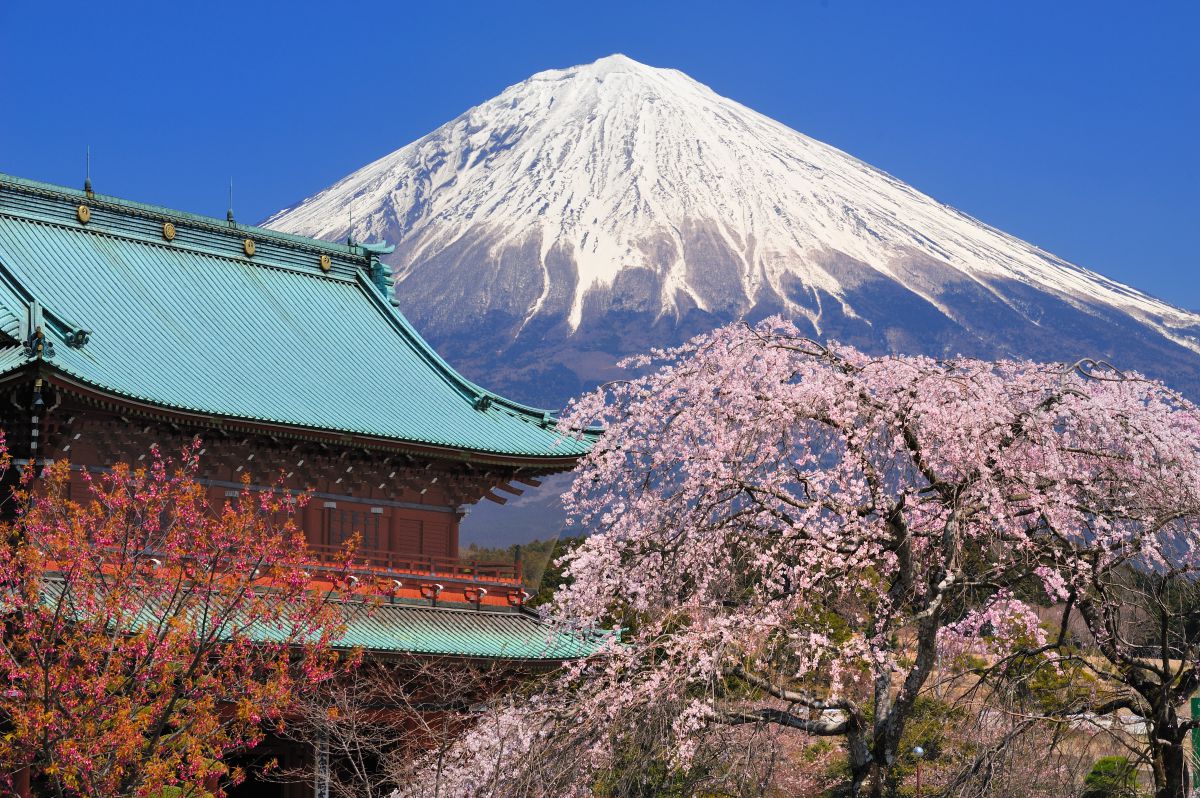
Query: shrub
1111,777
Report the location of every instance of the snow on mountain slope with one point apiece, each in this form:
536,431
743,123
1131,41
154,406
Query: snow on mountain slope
590,212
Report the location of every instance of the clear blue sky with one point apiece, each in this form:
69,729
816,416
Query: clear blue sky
1074,125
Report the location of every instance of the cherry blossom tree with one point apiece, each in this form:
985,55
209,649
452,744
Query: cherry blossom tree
789,534
1117,531
148,633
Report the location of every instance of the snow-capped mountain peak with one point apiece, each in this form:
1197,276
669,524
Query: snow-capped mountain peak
587,194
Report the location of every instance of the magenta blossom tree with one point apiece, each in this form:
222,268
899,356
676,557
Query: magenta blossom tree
789,534
149,634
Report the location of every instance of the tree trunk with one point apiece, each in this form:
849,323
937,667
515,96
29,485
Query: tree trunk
878,780
859,754
1169,771
881,784
1167,756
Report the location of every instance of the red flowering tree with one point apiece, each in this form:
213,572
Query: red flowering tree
791,535
148,633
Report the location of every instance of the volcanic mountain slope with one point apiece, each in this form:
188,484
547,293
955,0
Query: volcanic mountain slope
592,212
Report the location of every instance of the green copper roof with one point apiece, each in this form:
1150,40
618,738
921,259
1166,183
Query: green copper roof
196,324
407,627
491,633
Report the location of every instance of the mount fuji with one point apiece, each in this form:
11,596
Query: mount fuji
593,212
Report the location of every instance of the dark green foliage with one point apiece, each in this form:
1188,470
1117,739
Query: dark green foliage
552,576
646,778
538,557
1111,777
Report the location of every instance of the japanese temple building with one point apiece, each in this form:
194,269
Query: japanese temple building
124,325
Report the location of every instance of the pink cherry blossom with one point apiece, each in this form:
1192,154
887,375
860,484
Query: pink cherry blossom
789,533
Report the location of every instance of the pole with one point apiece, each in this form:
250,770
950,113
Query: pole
918,754
321,769
1195,746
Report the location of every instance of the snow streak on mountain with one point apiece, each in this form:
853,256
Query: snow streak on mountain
592,212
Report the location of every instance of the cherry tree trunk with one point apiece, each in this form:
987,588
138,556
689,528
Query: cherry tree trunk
861,764
1170,771
1167,756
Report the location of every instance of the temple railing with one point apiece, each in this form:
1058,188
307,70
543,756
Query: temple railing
389,562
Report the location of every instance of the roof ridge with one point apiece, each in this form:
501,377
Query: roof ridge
239,257
257,246
210,223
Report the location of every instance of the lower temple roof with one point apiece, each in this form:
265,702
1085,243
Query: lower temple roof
406,627
489,633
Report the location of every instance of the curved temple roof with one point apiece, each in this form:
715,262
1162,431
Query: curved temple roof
496,633
236,322
417,628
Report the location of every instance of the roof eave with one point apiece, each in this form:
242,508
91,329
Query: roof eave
61,379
